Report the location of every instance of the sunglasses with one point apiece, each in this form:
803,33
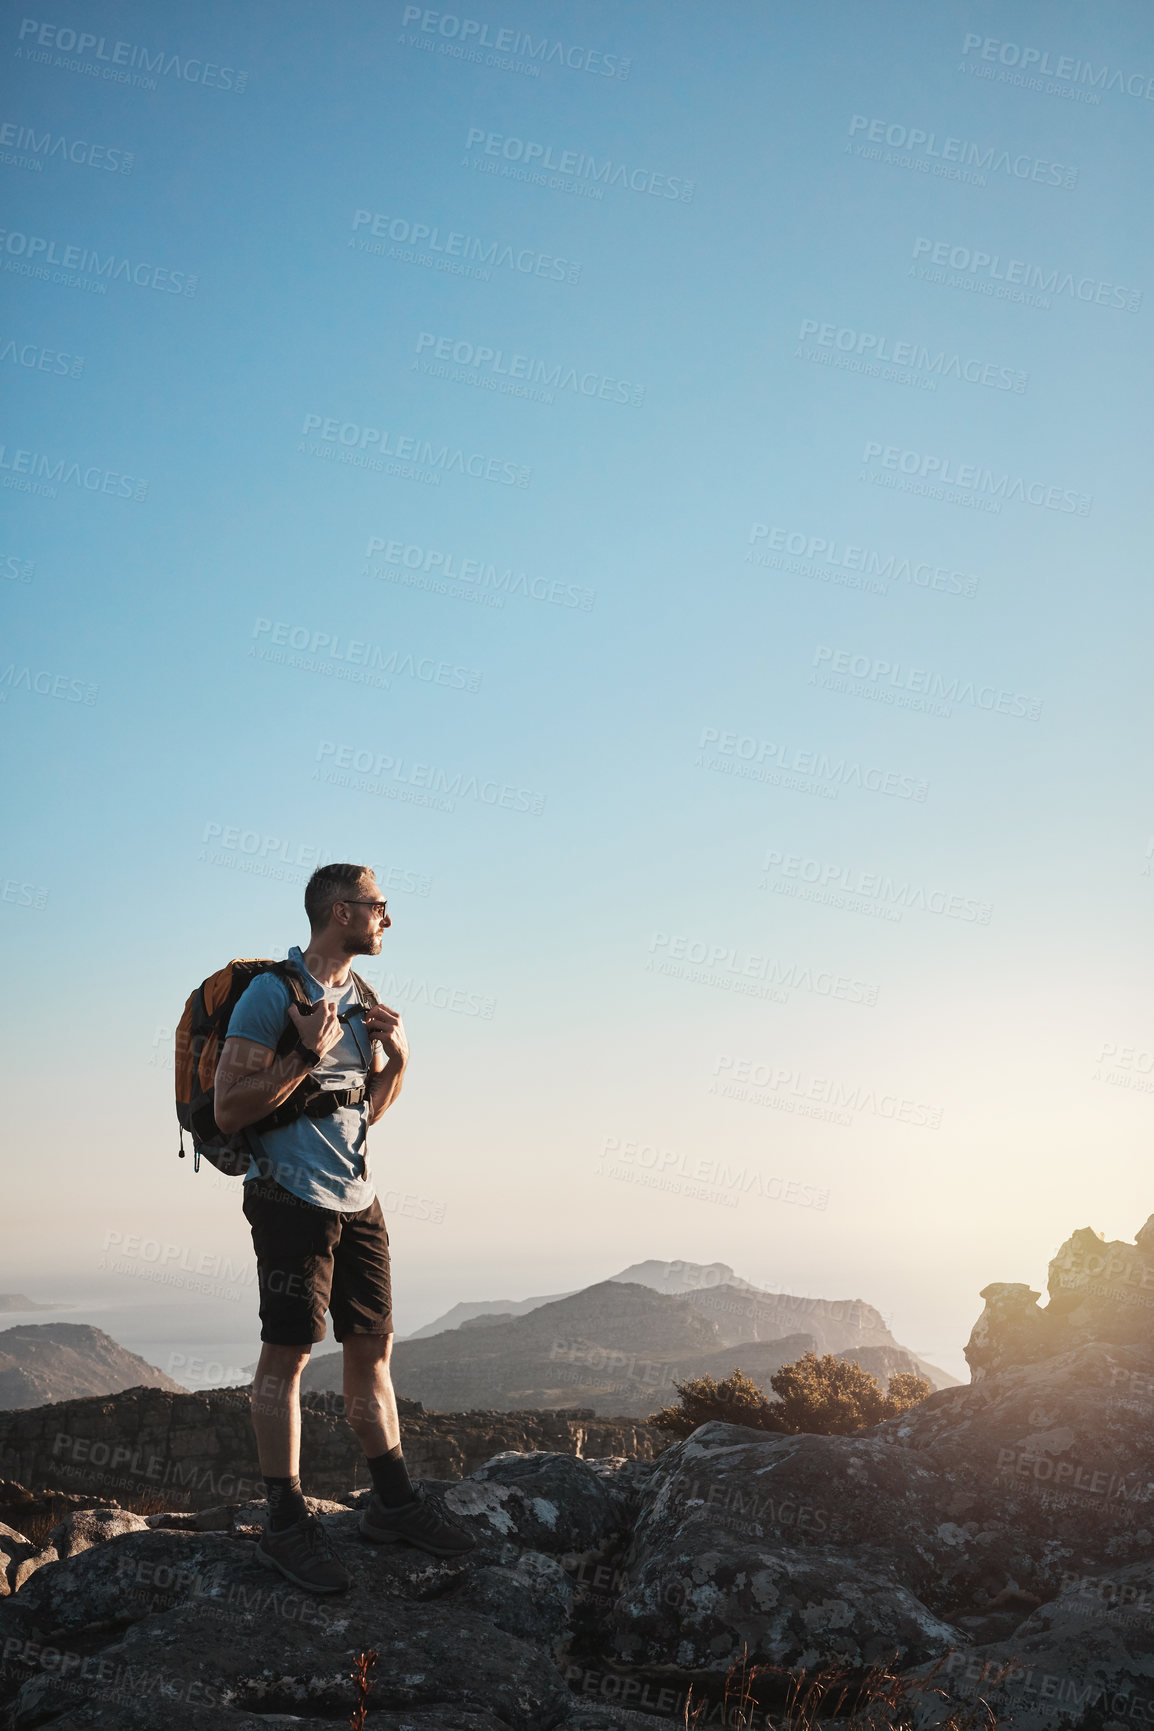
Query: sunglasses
360,902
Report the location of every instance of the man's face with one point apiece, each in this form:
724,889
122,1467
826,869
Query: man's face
365,919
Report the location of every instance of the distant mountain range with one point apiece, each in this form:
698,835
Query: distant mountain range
10,1301
615,1347
47,1361
618,1346
661,1276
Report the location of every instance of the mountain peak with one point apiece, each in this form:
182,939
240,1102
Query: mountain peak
678,1277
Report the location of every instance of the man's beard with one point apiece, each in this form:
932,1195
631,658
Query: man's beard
369,945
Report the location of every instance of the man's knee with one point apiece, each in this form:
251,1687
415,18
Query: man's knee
278,1371
366,1349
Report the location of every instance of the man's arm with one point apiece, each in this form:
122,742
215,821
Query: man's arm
251,1080
390,1056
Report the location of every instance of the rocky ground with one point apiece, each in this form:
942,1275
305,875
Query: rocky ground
995,1544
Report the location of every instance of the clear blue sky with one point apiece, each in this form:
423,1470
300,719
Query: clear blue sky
796,275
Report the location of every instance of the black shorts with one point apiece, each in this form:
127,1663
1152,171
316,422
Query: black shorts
311,1259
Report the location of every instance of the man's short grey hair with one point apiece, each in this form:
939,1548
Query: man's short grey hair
329,884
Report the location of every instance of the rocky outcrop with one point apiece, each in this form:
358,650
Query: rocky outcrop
45,1361
1096,1291
993,1543
195,1450
165,1624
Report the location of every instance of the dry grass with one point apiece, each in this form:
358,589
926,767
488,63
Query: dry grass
774,1699
37,1525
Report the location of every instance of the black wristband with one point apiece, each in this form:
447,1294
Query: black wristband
300,1050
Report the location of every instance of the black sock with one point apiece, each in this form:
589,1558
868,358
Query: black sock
286,1505
391,1479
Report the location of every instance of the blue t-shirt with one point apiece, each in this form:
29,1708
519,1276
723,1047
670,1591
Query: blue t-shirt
321,1160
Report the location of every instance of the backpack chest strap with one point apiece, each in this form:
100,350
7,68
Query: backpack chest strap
329,1100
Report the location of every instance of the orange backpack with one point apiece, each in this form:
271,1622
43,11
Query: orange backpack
200,1034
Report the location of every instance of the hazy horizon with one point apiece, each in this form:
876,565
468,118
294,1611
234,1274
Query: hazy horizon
203,1343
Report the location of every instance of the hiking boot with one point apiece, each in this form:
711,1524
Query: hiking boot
423,1522
304,1555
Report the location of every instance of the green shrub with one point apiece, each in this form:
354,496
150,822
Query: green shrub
826,1396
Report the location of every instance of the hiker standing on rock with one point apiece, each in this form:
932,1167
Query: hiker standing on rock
317,1225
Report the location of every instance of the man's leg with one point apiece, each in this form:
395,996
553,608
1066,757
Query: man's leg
276,1408
276,1419
293,1244
397,1511
371,1409
370,1404
362,1312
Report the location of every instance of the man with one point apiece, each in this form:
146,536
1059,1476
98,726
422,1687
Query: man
317,1226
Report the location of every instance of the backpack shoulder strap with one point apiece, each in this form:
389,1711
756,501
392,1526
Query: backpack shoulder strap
364,991
291,975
